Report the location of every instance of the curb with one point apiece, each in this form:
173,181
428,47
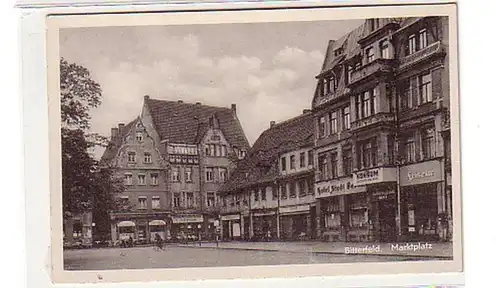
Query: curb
440,257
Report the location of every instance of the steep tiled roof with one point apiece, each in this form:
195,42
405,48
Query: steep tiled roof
179,122
115,143
261,162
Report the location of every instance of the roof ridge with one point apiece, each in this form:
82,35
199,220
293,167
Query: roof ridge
190,103
289,120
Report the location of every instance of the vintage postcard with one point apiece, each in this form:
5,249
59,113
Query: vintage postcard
251,144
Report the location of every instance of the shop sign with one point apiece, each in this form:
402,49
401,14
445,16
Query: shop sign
338,187
376,175
382,195
294,209
426,172
230,217
264,213
187,219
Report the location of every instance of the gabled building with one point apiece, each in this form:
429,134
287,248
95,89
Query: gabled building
381,133
173,159
270,194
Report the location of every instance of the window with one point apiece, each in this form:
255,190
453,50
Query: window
302,188
409,149
209,175
128,179
124,202
154,179
218,152
147,157
310,186
384,49
222,174
412,45
212,150
283,164
428,143
256,195
263,195
175,174
223,150
302,159
425,88
366,104
275,193
283,191
422,39
405,95
188,174
322,127
238,200
131,157
347,160
333,122
207,150
310,158
346,119
177,200
189,199
142,179
292,162
142,202
138,136
350,69
323,166
210,199
368,153
293,190
77,229
155,202
333,158
370,55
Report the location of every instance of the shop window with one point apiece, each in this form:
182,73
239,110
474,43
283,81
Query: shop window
210,199
358,214
334,160
425,88
384,49
154,179
175,174
284,194
347,160
77,229
346,118
322,127
293,189
177,200
131,157
147,157
302,188
333,122
310,157
155,202
283,163
188,174
428,143
142,202
209,175
142,179
292,162
302,159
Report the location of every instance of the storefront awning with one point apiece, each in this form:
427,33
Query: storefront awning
157,223
126,224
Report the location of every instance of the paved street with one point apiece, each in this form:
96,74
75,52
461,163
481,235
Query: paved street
175,256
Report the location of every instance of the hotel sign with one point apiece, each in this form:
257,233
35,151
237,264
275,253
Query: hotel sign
373,176
338,187
187,219
426,172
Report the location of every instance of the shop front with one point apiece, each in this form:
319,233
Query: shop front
295,222
126,230
186,227
264,225
425,211
231,227
158,227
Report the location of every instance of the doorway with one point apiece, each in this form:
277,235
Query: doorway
387,220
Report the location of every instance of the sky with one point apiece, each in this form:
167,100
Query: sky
267,69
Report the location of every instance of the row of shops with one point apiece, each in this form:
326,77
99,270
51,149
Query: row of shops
363,207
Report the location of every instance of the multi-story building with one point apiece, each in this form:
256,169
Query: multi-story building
382,133
270,194
173,158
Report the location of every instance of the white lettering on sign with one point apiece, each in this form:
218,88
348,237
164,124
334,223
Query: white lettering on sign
336,188
420,175
367,176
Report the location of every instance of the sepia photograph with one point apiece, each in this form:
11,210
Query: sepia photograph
265,143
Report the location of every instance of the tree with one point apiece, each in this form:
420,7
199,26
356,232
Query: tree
86,185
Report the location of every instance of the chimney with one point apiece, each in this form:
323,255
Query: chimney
114,133
272,123
146,97
198,103
120,128
233,107
180,101
305,111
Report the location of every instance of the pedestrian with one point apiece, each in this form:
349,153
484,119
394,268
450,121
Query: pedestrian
159,241
130,241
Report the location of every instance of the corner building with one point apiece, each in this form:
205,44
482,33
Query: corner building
173,159
382,133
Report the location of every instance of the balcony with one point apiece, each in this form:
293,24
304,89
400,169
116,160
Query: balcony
331,96
379,118
372,69
436,48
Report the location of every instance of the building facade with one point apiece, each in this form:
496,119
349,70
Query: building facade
173,158
382,133
270,194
